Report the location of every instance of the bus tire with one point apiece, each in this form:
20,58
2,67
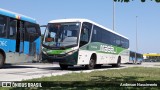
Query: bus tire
99,65
63,66
2,60
118,62
92,63
140,62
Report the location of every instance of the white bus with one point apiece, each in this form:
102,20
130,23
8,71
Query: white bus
83,42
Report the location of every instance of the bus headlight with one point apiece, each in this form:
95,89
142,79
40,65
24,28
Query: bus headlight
44,52
71,52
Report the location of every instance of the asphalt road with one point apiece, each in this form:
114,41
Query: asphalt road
37,70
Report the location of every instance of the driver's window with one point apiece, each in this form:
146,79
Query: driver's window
50,37
69,33
52,34
85,33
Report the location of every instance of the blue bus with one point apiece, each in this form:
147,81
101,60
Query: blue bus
20,38
138,59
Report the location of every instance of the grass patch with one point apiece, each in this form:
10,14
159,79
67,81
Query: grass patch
99,80
127,74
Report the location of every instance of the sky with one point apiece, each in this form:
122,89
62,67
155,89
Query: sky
101,12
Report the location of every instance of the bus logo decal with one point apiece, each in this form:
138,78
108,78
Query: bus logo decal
3,43
109,49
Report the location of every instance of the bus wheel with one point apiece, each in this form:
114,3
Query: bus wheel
140,62
91,64
99,65
1,60
63,66
118,63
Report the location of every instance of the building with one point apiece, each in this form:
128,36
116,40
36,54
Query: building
151,57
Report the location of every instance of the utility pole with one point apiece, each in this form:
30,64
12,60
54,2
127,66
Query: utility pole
136,41
113,15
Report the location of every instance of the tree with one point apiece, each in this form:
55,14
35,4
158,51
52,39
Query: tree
158,1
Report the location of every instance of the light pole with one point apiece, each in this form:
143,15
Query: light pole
136,41
113,14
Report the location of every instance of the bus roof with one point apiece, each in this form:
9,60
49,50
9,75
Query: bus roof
16,15
135,52
85,20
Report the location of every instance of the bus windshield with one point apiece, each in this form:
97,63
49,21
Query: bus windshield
61,34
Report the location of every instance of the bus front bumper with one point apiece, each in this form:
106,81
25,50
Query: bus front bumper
62,59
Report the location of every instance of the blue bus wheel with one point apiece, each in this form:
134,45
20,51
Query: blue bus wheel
1,60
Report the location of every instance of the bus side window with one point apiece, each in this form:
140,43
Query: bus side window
118,41
97,34
12,29
2,31
3,26
31,32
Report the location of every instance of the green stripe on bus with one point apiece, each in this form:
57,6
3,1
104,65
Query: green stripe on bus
102,48
56,51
